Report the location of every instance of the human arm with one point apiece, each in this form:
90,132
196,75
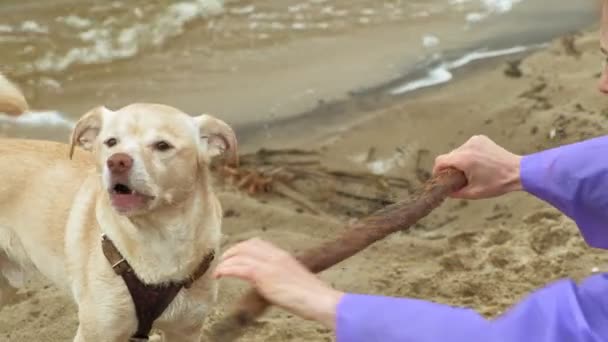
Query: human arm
563,311
573,178
281,279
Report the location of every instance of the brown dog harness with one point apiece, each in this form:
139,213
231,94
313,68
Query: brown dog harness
150,300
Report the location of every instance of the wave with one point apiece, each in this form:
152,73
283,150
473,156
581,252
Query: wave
105,43
442,73
500,6
494,6
488,7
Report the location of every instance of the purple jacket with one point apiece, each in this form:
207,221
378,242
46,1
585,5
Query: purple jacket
574,179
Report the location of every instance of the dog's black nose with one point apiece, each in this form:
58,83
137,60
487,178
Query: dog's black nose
120,163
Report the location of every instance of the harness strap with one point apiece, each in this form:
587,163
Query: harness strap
150,300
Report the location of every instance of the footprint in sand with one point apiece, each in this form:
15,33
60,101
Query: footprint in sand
461,240
546,237
540,215
498,238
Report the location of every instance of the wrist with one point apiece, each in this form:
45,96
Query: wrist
513,179
327,307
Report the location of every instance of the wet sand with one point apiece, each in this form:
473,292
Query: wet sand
485,255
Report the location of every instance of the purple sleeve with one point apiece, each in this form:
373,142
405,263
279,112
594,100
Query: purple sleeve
574,179
560,312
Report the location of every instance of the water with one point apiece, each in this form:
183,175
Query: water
49,37
52,36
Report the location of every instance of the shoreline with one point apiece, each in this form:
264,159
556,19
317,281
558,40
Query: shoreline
342,113
353,109
324,113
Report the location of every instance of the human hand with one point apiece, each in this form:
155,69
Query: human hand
490,169
281,279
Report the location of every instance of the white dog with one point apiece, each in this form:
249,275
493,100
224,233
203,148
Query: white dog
145,187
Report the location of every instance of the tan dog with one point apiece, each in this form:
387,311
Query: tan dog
146,185
12,101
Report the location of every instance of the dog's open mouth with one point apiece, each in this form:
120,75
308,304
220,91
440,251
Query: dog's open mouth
122,189
126,199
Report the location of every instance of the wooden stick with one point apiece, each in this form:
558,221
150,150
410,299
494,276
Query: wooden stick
355,238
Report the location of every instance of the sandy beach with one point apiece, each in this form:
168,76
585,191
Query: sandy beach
359,149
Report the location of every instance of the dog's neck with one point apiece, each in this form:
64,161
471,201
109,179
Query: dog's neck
166,244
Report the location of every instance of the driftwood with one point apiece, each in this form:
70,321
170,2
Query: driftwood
300,177
355,238
284,190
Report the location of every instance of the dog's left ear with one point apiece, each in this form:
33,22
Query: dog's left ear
86,130
217,138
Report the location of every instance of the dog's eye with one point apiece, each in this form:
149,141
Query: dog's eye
111,142
162,146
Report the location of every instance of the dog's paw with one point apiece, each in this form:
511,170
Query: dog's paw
156,337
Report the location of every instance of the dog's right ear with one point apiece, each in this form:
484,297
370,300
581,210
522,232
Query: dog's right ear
219,138
86,130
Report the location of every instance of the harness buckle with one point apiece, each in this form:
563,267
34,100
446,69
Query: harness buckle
118,263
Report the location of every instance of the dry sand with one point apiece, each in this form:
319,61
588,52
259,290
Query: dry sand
484,254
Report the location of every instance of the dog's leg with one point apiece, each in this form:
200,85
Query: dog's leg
86,333
80,335
100,321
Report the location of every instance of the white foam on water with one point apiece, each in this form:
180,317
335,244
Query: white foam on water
497,6
434,77
6,29
75,21
33,27
368,11
477,55
475,17
243,10
37,119
298,26
500,6
105,44
485,8
298,7
442,73
430,41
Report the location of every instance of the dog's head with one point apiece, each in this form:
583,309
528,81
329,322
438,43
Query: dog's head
150,155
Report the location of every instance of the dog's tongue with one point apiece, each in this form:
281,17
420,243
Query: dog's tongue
126,202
